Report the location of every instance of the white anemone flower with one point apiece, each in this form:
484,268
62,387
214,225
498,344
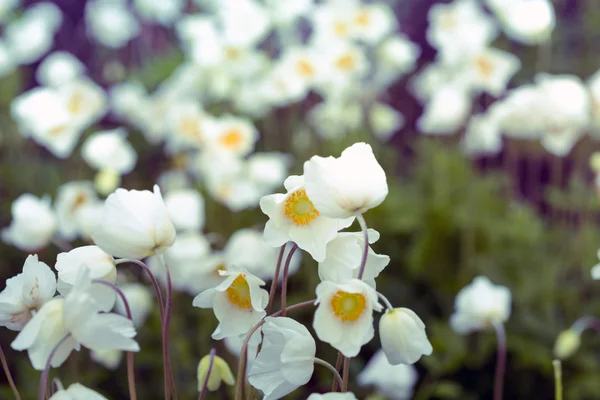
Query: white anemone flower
490,70
163,12
77,315
332,396
293,217
596,269
344,316
109,150
99,264
480,305
483,135
110,23
59,68
344,255
530,22
85,101
186,209
385,120
26,293
140,302
286,360
135,224
232,134
446,111
396,382
403,337
33,223
70,199
238,303
348,185
76,391
396,56
373,22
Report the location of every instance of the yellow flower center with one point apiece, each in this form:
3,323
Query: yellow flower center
219,268
75,104
58,130
346,62
305,69
232,138
299,208
238,292
232,53
340,29
484,66
363,18
189,128
348,306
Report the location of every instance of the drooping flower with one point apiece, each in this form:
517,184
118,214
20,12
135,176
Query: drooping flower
403,337
76,391
186,209
294,217
220,372
26,293
479,305
393,381
135,224
286,360
332,396
345,186
238,303
33,223
344,316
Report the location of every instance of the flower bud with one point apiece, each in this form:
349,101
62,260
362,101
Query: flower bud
403,336
220,371
106,181
567,343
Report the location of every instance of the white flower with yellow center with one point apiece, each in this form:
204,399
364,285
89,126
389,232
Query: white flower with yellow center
238,303
293,217
33,223
232,135
344,316
403,337
187,124
70,198
372,22
490,70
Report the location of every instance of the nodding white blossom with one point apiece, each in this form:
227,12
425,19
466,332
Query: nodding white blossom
110,23
99,264
344,316
26,293
110,359
163,12
59,68
220,372
596,269
140,302
76,392
348,185
293,217
232,135
332,396
109,150
479,305
238,303
286,360
33,223
186,209
77,314
71,198
446,111
396,382
344,255
403,337
135,224
529,22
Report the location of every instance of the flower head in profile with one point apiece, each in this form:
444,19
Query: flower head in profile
26,293
286,360
345,186
403,337
238,303
33,223
344,316
220,372
71,198
294,217
76,391
134,224
479,305
393,381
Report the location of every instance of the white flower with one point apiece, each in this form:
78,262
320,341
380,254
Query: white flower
293,216
529,22
186,209
332,396
268,170
26,293
373,22
596,269
479,305
345,186
76,314
344,256
446,111
99,265
403,337
59,68
288,11
70,199
482,136
286,360
110,22
163,12
490,70
335,118
109,150
393,381
140,302
135,224
187,124
111,359
33,223
234,344
88,217
220,372
396,56
232,134
344,316
76,392
245,22
385,120
238,303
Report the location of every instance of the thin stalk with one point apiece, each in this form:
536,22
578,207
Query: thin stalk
213,353
558,387
286,270
336,374
385,301
273,290
338,366
9,377
500,361
44,378
130,356
169,381
363,262
346,375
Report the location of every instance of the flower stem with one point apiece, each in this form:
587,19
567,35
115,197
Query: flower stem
338,365
500,361
286,270
346,374
213,353
169,381
8,375
336,374
44,378
273,290
558,388
385,301
363,262
130,356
